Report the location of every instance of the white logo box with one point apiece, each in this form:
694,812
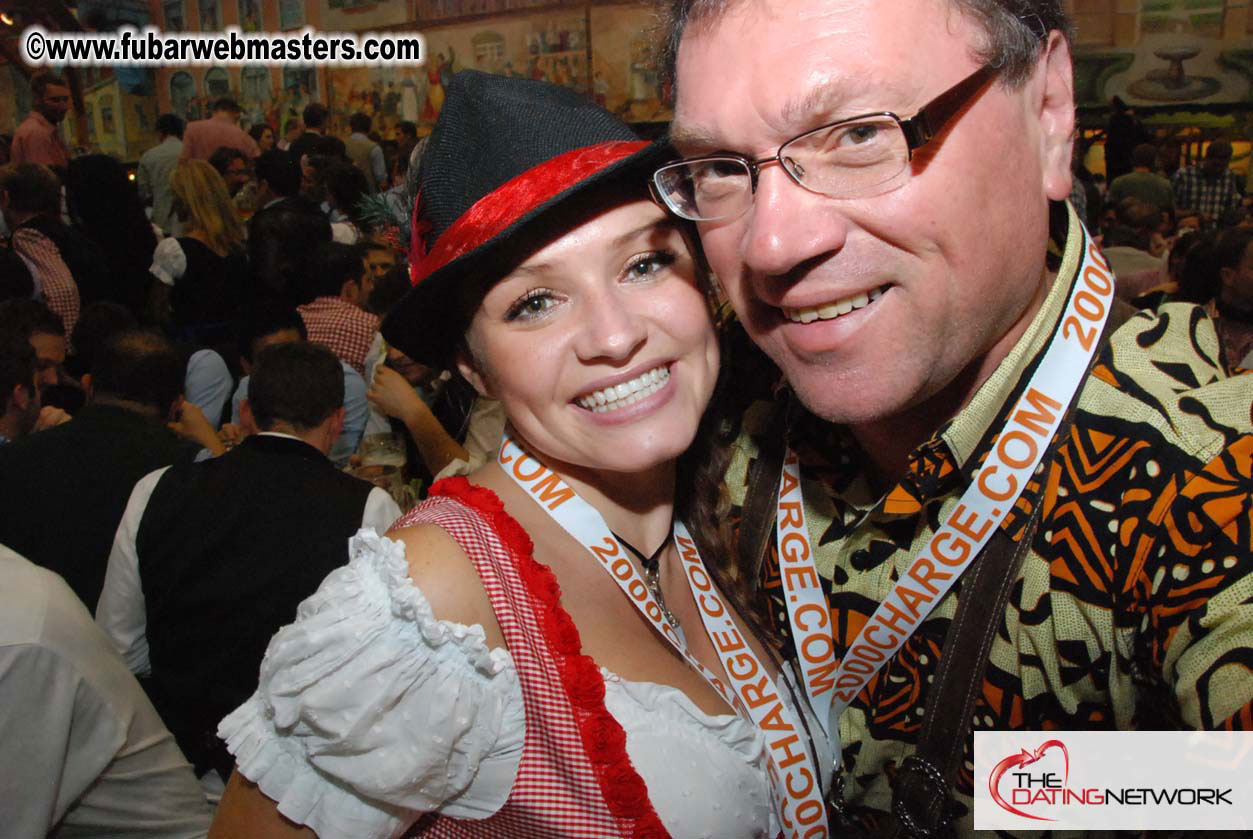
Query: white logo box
1113,780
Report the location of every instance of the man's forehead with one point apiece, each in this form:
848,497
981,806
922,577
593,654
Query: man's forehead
809,67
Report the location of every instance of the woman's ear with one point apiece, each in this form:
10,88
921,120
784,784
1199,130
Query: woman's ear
469,370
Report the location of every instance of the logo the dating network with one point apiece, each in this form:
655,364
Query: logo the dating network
1113,780
1021,791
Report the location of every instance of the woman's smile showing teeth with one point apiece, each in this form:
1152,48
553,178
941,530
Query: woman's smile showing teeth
829,311
621,395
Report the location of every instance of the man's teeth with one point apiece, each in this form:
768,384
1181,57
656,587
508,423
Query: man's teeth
628,393
832,310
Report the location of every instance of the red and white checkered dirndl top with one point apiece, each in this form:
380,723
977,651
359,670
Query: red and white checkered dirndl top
574,778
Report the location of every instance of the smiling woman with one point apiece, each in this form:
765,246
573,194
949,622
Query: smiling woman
538,650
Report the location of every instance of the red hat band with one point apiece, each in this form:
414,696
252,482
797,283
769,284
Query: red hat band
498,210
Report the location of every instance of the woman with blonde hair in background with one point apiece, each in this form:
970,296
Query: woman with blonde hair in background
200,272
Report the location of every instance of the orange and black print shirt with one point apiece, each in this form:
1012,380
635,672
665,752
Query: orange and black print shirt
1134,605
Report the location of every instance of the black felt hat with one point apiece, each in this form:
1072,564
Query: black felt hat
506,154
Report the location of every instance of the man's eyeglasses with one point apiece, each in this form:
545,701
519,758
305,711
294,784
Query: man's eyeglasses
852,158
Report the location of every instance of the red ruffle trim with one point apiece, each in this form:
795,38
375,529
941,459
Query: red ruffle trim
604,741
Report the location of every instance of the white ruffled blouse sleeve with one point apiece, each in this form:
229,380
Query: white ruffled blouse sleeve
169,262
370,711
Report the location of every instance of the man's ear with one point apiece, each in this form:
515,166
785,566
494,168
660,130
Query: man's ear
469,370
1055,104
336,426
20,398
88,391
247,422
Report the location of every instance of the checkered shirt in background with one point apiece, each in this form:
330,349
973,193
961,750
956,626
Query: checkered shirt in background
338,324
1213,197
53,276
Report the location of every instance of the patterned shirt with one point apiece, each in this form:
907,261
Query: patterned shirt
1212,197
52,275
1134,605
343,327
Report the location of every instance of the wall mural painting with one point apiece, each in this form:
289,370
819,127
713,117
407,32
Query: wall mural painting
552,47
256,97
183,99
210,16
300,87
217,83
1179,51
625,73
291,14
388,95
249,15
143,119
175,17
364,15
107,125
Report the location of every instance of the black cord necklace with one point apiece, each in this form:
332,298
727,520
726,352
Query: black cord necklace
652,574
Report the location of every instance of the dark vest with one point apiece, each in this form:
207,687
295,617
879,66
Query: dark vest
227,550
209,292
64,490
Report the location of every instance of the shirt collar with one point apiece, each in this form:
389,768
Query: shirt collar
972,423
279,434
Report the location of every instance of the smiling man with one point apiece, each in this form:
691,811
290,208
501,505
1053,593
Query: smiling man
879,186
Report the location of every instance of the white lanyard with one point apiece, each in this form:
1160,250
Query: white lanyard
967,528
797,784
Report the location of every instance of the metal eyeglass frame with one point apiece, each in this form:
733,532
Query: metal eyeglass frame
918,130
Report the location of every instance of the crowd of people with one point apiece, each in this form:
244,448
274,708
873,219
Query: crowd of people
707,523
1181,233
218,311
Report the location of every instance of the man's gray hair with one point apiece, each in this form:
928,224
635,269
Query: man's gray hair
1015,30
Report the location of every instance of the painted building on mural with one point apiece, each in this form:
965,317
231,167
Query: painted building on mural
602,50
1155,54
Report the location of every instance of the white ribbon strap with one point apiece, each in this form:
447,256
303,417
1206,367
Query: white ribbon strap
793,775
997,486
807,608
588,528
804,812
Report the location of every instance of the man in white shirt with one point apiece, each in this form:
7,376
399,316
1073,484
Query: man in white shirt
366,154
209,561
155,167
84,752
